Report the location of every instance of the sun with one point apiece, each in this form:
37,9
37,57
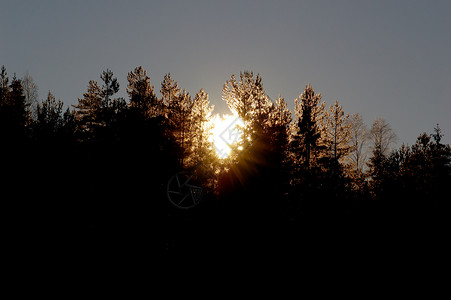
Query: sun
226,132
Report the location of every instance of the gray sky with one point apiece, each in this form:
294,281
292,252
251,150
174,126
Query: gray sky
389,59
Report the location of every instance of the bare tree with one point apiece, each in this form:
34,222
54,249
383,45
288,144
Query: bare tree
31,93
382,136
358,142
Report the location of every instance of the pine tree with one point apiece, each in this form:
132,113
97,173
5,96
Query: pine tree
247,99
110,87
4,86
377,170
337,132
279,126
440,163
69,126
169,90
202,155
306,142
178,105
49,118
4,90
88,110
277,159
141,94
4,104
200,115
382,137
17,114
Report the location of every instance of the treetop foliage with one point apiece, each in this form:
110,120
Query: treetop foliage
306,165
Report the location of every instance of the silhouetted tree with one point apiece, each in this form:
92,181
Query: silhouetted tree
201,128
141,94
49,119
337,132
96,112
179,107
110,86
14,113
278,164
88,111
4,99
279,126
169,90
306,142
247,99
382,137
336,138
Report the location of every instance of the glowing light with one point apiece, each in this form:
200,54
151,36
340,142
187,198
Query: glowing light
225,133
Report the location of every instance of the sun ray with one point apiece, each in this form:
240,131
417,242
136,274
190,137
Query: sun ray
226,132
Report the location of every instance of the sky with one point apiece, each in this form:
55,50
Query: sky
388,59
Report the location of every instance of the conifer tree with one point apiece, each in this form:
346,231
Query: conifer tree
169,90
141,93
277,158
306,143
110,87
202,153
279,126
337,132
248,100
201,113
15,115
178,105
88,109
49,118
382,137
4,88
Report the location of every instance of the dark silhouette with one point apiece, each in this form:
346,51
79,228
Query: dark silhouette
95,178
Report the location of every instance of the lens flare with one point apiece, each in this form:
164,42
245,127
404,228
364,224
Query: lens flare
225,133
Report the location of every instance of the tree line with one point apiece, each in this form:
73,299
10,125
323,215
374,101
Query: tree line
95,160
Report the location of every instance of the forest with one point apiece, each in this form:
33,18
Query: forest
95,178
